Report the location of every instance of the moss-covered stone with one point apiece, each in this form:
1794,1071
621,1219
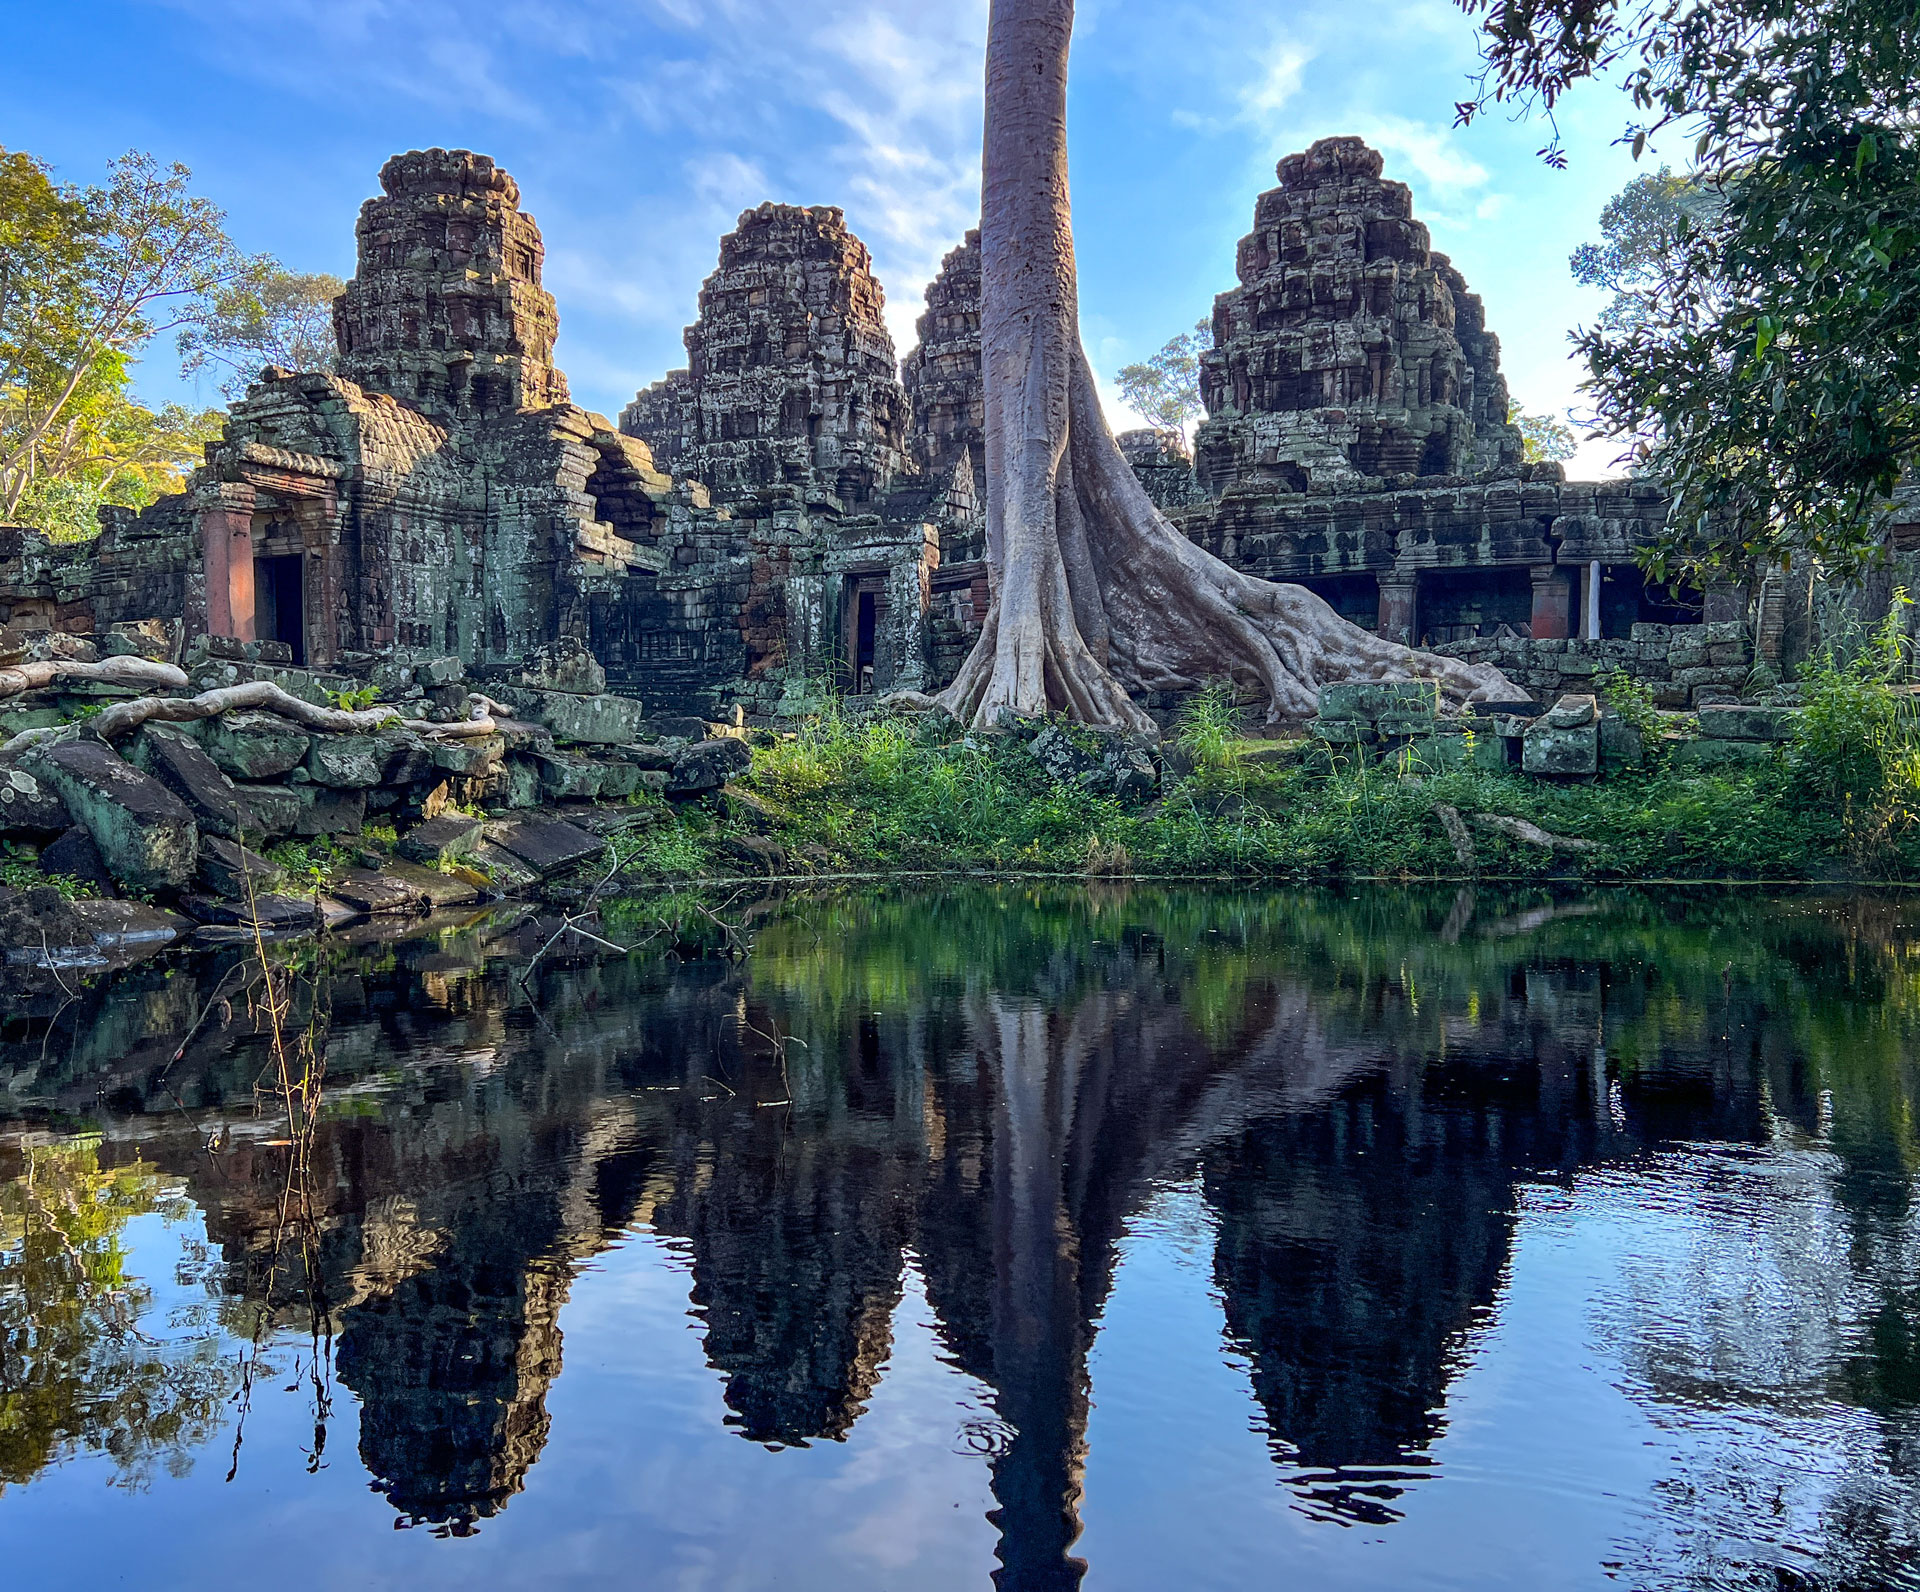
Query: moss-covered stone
145,835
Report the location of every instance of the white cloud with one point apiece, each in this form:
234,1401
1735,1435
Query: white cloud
1434,154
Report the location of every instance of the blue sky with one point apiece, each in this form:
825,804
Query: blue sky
639,129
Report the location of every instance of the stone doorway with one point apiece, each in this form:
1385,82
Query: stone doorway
863,622
279,601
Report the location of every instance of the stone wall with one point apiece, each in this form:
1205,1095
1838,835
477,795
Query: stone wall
1683,666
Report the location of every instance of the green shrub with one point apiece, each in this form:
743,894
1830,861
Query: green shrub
1208,730
1856,744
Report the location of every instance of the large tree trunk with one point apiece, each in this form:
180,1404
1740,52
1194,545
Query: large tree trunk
1095,596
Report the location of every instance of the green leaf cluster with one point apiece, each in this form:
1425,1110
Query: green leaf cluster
1763,359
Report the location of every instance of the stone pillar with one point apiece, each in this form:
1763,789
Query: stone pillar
226,550
1770,620
1590,607
1552,603
1396,608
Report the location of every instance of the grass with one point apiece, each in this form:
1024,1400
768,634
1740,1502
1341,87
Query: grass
893,795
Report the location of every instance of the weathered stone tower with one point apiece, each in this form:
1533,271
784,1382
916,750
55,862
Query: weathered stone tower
445,310
942,373
1350,350
791,378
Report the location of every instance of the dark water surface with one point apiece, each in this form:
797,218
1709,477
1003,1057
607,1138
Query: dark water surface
1162,1238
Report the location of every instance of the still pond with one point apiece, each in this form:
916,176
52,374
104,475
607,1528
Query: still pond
1124,1237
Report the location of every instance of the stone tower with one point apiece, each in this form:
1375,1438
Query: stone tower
943,372
1350,350
445,310
791,379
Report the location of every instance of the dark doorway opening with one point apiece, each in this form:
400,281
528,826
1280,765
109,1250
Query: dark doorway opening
279,602
863,632
1459,604
1627,598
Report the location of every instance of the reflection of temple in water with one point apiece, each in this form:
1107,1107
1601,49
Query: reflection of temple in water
1361,1151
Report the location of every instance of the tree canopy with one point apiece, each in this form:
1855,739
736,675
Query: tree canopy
279,317
1164,388
88,276
1766,360
1543,438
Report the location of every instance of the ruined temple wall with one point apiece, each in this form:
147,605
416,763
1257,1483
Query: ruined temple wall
791,379
1466,523
1349,349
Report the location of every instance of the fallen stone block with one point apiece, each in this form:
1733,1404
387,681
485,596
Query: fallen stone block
442,890
1570,712
184,767
436,673
649,756
707,765
565,778
30,808
380,894
1730,722
231,870
325,811
1546,749
268,811
409,758
74,856
253,745
1373,699
604,720
546,845
1621,745
618,781
447,839
347,762
503,869
683,727
564,664
271,914
130,925
470,759
146,835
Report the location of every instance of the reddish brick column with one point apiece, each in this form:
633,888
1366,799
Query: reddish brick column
1552,604
226,547
1396,610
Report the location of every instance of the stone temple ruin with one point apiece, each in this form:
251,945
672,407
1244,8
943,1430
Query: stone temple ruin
798,508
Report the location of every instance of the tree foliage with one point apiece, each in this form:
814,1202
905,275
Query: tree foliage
1768,363
282,318
88,275
1164,388
1543,438
1643,230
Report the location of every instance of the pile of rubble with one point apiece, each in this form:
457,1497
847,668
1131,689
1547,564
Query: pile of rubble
1577,737
113,772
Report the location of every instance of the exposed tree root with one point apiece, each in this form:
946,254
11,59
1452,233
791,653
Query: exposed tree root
114,671
121,719
1168,615
1463,848
1533,834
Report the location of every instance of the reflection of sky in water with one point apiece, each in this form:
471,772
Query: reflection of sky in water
1680,1367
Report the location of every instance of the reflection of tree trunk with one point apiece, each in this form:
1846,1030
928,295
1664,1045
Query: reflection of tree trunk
1040,1338
1095,594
